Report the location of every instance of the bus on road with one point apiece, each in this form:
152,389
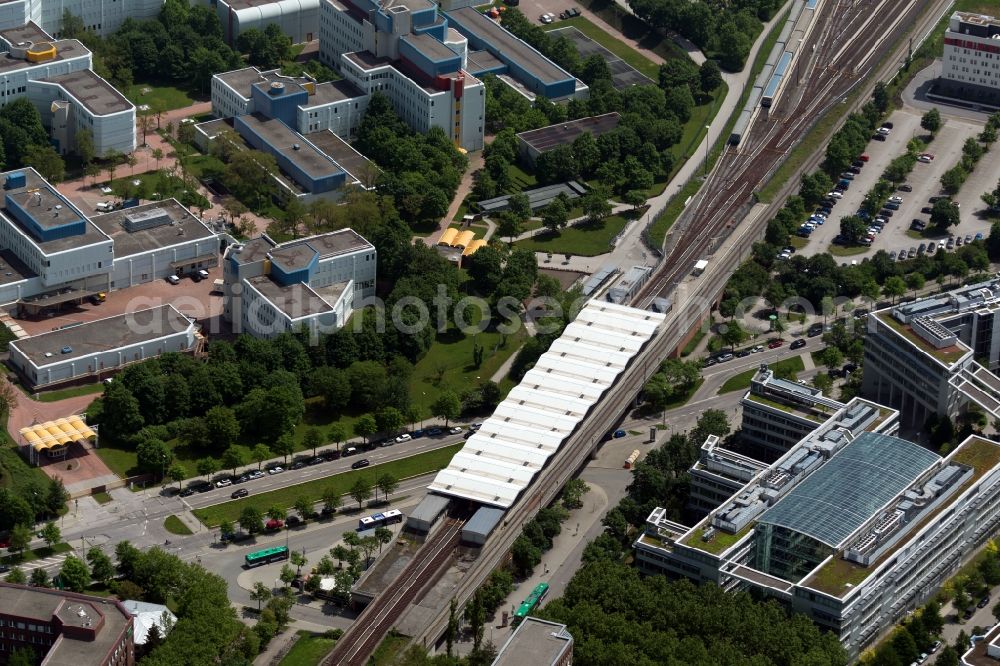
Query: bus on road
390,517
267,556
531,603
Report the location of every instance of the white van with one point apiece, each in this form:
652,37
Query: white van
203,274
103,207
173,279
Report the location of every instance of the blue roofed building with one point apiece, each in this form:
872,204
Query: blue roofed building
853,527
314,283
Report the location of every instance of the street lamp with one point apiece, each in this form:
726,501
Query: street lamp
707,142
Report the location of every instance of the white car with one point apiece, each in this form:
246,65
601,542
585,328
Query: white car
547,18
895,199
926,159
222,483
756,349
106,190
835,194
454,430
256,474
275,470
405,437
884,131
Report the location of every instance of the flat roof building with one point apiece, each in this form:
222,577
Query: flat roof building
68,629
298,19
968,66
852,527
99,348
537,642
533,143
313,283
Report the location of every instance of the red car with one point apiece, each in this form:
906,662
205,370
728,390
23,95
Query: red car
274,524
863,158
774,344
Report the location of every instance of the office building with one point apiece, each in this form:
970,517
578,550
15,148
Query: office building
97,349
103,17
933,356
68,629
533,143
56,77
313,283
537,642
718,474
54,254
985,650
970,66
146,616
852,527
777,413
407,52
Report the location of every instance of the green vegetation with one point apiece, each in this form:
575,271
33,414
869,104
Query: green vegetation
389,650
6,336
309,650
584,239
719,543
947,355
158,97
693,343
102,497
404,468
619,48
786,369
174,525
847,251
62,394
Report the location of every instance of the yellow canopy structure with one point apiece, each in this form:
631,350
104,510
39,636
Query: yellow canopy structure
463,239
473,246
448,236
57,433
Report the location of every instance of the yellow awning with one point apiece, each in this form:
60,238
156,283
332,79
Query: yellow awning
448,236
57,433
463,239
473,247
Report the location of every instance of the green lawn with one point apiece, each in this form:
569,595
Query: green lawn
620,49
520,179
389,650
160,98
120,461
741,382
847,251
422,463
308,650
584,240
15,472
55,396
102,497
174,525
693,342
798,242
36,554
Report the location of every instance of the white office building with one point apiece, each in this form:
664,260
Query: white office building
853,527
53,254
56,77
313,283
101,16
103,346
970,66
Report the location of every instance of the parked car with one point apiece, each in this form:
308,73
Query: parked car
454,430
774,344
878,137
835,195
619,434
277,469
573,12
315,461
757,348
187,492
709,362
896,199
743,353
364,462
173,279
434,432
242,492
256,474
547,18
797,344
222,483
863,158
905,187
983,602
722,358
293,521
884,131
405,437
816,329
274,524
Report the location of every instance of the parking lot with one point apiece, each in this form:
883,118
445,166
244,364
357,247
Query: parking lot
622,73
191,298
924,179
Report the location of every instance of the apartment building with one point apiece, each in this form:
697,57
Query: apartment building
970,66
313,283
101,16
852,527
64,627
56,77
935,355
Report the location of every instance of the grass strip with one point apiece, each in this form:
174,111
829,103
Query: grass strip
404,468
174,525
741,382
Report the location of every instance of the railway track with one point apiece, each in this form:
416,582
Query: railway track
361,639
836,57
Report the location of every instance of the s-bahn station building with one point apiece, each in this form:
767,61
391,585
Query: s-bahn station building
852,527
970,67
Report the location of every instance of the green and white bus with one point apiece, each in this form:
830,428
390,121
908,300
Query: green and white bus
531,603
267,556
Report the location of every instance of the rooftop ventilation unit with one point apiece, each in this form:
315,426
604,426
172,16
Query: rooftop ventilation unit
146,219
277,87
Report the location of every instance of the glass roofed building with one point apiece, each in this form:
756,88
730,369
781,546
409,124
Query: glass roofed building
853,526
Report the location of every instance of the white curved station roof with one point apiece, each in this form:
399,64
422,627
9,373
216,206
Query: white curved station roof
528,427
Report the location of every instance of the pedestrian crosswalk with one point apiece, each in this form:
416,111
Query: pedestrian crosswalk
48,563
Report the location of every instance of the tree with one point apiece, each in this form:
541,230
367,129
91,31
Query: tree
298,558
519,206
447,406
931,121
595,205
277,512
312,439
235,456
226,530
56,496
361,491
555,215
948,657
51,534
894,287
207,467
944,214
157,155
387,483
153,455
251,520
222,427
852,229
287,575
178,473
8,398
823,382
260,453
331,499
365,427
304,506
733,334
339,553
573,492
508,225
101,568
383,535
17,576
284,446
47,162
368,545
120,417
709,76
22,657
75,574
39,578
337,434
389,420
915,281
